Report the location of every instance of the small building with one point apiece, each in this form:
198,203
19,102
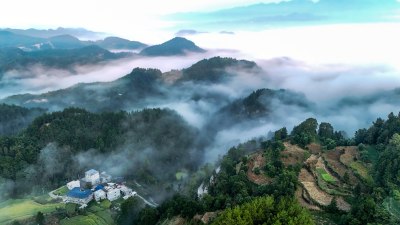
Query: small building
127,191
100,195
92,176
73,184
105,178
78,196
113,194
85,184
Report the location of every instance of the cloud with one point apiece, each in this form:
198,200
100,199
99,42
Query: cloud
188,32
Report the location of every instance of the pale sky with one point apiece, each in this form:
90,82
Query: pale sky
130,19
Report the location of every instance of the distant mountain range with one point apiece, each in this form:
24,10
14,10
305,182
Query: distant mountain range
138,89
17,59
175,46
80,33
64,41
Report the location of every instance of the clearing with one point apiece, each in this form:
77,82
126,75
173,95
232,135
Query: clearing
257,161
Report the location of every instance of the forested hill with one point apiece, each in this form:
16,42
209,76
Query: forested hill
19,60
141,88
127,141
14,118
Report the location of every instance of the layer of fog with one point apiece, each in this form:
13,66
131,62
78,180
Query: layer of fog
326,63
38,79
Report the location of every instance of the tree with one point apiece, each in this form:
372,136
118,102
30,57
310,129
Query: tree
265,210
305,132
40,218
130,209
281,134
147,216
325,130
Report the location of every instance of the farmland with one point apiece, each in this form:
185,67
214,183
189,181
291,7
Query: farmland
19,209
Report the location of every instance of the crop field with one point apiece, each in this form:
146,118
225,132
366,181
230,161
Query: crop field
98,218
361,170
98,214
325,175
19,209
61,191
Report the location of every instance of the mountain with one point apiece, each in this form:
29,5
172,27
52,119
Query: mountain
140,87
216,69
8,39
76,32
131,91
261,104
14,118
65,42
119,43
17,59
61,41
175,46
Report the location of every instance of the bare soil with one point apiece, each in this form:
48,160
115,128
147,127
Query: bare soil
257,160
314,148
293,155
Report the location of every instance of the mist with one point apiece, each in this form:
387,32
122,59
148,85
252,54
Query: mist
348,81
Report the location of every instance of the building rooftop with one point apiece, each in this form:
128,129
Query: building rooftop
99,187
91,172
78,193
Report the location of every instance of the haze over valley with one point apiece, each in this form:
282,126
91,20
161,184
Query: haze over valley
201,113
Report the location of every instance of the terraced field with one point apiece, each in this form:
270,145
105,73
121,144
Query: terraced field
23,208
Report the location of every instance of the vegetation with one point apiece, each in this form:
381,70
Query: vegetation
20,209
14,118
76,130
325,175
265,210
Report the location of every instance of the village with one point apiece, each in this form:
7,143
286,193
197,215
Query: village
94,186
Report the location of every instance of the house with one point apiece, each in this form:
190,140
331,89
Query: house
113,194
92,176
73,184
105,178
78,196
127,191
100,195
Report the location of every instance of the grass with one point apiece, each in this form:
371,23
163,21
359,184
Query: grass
98,218
96,214
19,209
61,191
361,170
180,175
326,176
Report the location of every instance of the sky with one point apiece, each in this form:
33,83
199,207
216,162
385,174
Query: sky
133,19
151,21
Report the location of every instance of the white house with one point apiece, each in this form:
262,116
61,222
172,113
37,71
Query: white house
113,194
104,177
92,176
99,195
73,184
127,191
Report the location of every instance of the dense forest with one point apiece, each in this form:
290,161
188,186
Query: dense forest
52,149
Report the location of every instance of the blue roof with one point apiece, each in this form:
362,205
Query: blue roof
77,193
99,187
